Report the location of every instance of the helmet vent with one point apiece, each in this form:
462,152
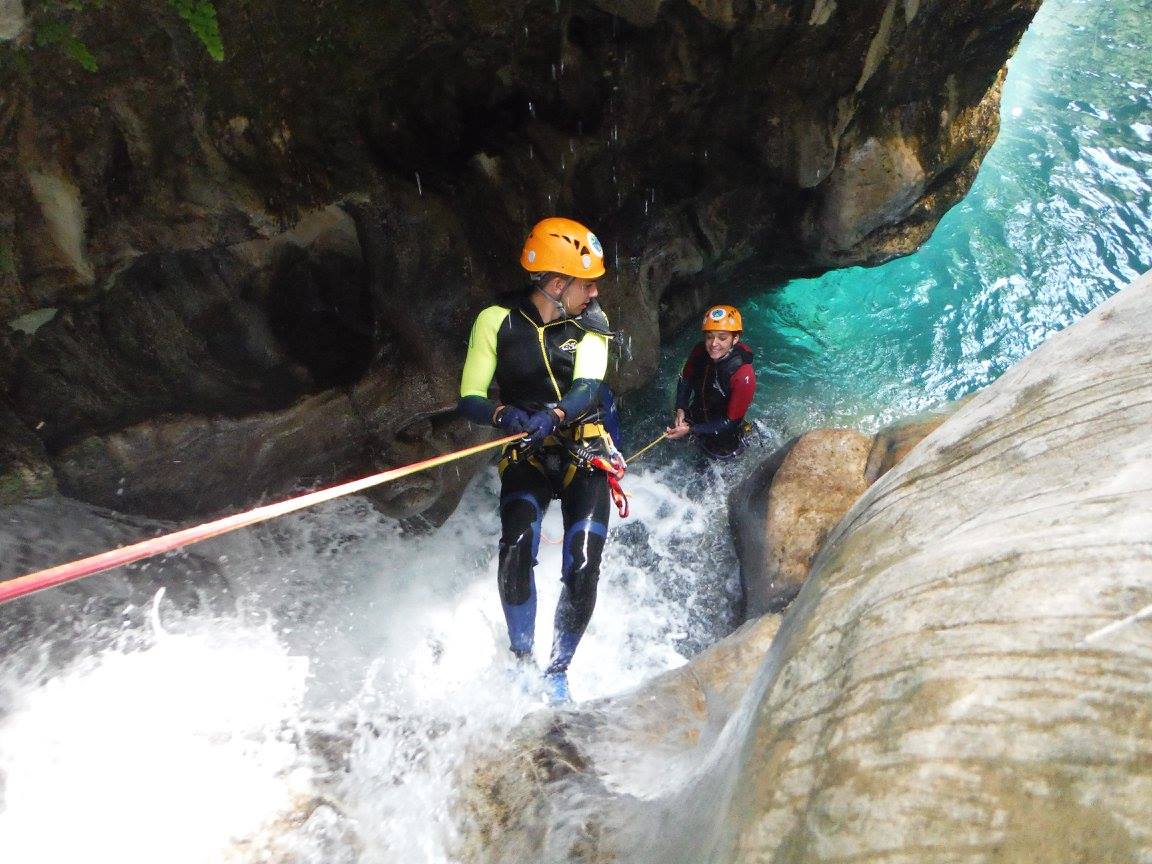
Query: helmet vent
575,241
562,246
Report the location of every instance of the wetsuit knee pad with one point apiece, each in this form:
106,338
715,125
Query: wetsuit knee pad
514,575
583,546
519,544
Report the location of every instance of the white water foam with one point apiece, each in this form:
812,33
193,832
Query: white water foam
332,727
171,752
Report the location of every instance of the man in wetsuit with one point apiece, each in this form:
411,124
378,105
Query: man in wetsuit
548,353
716,387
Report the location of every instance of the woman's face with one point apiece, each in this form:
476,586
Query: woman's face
719,342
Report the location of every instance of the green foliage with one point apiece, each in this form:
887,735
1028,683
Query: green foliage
201,18
58,34
57,23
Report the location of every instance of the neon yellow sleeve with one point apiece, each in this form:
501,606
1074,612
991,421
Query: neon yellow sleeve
591,357
480,365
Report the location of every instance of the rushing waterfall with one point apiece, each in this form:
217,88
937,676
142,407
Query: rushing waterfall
356,670
311,697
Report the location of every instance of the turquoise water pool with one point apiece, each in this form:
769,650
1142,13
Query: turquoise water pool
1060,217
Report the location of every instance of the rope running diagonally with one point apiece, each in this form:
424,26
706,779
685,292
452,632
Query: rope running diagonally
645,448
73,570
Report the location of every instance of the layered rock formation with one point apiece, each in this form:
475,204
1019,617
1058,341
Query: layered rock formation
962,678
269,264
783,511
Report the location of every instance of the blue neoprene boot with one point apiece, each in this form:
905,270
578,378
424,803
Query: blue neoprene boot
556,688
521,621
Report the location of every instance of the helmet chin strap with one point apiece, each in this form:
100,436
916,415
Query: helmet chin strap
558,302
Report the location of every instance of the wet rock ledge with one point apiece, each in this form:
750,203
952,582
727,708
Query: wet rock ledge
219,280
963,676
783,511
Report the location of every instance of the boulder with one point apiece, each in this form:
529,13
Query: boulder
892,443
963,675
782,512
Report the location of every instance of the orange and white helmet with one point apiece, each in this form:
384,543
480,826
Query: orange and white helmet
726,318
558,245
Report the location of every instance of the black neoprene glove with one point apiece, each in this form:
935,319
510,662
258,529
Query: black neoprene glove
540,426
512,419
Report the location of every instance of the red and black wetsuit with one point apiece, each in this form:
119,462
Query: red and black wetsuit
715,396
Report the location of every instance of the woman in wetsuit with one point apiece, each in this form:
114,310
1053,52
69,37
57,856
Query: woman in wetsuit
716,387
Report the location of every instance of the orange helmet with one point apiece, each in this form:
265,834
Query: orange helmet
558,245
726,318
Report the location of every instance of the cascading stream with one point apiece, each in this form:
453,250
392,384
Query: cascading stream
358,670
315,702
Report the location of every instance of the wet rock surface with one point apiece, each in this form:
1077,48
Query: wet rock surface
218,252
527,800
946,654
784,510
966,663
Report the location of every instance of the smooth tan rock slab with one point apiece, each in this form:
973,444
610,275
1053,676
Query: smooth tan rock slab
966,675
937,693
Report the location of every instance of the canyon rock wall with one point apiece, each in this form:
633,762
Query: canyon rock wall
279,254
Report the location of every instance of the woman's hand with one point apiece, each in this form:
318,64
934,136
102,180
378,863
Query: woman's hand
679,427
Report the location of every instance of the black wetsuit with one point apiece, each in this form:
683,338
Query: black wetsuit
714,396
537,366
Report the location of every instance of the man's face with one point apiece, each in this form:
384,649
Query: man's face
578,294
719,342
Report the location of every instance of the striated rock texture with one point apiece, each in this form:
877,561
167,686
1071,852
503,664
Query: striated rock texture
964,676
278,255
782,512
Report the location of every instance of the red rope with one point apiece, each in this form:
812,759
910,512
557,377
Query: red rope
74,570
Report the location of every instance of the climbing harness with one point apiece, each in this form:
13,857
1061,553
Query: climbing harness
613,471
584,457
73,570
